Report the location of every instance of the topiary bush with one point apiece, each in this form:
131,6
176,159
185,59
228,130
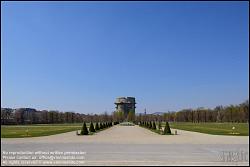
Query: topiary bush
91,127
84,130
167,129
97,126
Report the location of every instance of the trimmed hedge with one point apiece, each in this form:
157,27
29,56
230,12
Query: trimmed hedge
84,130
97,126
167,129
91,127
152,126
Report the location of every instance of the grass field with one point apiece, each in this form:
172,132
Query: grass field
241,129
20,131
36,130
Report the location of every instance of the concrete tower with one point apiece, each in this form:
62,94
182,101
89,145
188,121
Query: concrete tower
125,105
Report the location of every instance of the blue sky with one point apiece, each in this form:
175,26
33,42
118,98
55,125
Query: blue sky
80,56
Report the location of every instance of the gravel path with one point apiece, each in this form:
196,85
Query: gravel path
133,145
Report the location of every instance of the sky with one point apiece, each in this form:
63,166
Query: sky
80,56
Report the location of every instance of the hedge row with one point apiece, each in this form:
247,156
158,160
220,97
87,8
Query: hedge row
96,128
152,126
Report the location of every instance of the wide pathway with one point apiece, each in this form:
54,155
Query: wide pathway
133,145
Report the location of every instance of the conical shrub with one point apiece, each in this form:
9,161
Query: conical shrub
91,127
101,126
97,126
150,125
167,129
84,130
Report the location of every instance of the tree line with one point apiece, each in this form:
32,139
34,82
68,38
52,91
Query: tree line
231,113
33,116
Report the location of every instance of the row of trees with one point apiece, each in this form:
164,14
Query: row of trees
158,129
92,129
232,113
120,116
33,116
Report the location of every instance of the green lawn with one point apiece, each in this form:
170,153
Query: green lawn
35,130
19,131
61,124
241,129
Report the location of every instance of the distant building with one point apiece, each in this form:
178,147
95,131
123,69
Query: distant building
125,105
